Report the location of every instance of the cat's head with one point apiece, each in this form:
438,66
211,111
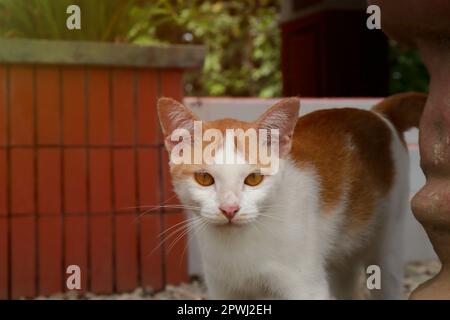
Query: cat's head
220,191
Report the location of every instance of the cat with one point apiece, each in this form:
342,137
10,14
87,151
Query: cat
335,206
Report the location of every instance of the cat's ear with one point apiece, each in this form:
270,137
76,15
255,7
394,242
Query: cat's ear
282,116
172,116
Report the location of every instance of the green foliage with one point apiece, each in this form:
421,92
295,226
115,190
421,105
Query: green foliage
407,70
242,38
102,20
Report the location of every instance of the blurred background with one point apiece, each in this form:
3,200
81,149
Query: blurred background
243,41
83,171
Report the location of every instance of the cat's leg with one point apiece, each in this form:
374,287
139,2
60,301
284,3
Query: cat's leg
305,283
218,291
388,252
345,280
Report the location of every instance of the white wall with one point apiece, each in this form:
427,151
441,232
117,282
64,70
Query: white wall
418,246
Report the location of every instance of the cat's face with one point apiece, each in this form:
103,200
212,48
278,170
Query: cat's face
219,191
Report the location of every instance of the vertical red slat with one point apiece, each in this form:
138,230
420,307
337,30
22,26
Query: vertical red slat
126,252
75,247
126,237
49,181
148,124
150,222
50,255
22,181
2,105
176,269
3,191
21,86
100,181
98,100
73,95
48,100
23,271
101,254
176,251
151,252
3,228
50,237
75,180
123,95
3,183
171,86
3,257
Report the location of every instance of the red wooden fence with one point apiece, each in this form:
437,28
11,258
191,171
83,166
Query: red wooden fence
80,153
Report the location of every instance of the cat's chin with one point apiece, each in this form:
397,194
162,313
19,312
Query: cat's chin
231,224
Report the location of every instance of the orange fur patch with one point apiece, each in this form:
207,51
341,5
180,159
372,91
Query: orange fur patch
350,151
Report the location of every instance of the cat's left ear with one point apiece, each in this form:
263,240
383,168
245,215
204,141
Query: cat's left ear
282,116
174,115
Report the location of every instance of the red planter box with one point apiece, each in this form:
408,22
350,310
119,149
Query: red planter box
80,152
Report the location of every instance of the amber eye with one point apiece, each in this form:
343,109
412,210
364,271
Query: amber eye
204,179
253,179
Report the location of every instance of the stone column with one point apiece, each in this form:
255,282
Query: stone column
425,24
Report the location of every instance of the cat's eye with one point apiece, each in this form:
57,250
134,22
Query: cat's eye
204,179
253,179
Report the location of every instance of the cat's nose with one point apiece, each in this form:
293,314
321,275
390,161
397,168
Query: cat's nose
229,211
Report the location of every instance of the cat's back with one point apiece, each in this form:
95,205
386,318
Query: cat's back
350,151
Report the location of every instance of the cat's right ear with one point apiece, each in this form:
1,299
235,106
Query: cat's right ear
172,116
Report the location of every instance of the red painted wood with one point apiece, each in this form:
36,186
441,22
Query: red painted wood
3,105
148,124
4,265
149,178
176,268
124,181
76,252
21,97
150,221
126,224
23,257
126,252
99,106
171,86
75,180
151,252
101,254
3,184
130,245
74,105
22,181
123,106
175,251
50,255
49,181
48,105
100,181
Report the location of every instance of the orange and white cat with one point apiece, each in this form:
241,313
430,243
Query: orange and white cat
335,206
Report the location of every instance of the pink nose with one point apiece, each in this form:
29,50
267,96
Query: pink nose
229,211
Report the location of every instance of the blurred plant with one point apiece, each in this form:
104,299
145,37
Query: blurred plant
102,20
407,70
241,37
242,40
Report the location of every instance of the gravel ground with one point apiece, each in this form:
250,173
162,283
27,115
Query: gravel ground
415,274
